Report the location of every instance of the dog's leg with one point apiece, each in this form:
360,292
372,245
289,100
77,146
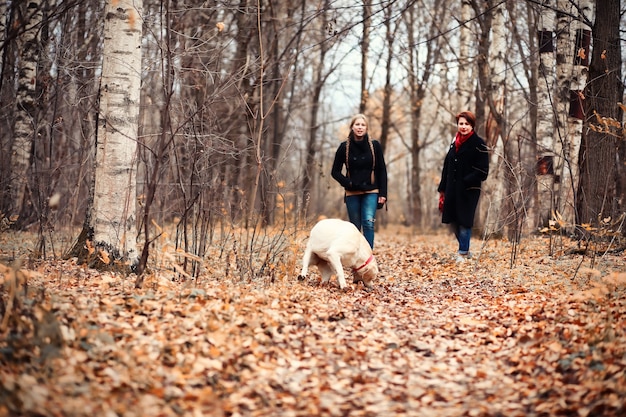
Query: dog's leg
325,270
335,261
367,284
306,260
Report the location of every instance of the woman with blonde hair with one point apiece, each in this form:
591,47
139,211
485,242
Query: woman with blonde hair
365,177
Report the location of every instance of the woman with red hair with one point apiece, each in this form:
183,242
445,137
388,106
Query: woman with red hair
464,169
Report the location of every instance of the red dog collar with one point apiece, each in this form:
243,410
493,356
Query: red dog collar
366,262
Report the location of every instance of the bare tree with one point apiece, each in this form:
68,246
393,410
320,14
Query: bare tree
76,93
421,67
29,15
235,171
233,119
319,77
6,96
110,224
573,48
365,49
601,194
154,153
494,89
391,31
463,92
520,150
545,113
267,93
4,17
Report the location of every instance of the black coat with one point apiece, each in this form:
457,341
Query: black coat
461,177
358,177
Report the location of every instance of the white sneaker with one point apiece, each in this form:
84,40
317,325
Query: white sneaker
462,258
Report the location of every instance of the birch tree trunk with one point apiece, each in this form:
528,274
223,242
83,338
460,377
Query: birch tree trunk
26,116
493,198
113,211
365,47
463,90
564,72
5,150
3,31
573,44
545,114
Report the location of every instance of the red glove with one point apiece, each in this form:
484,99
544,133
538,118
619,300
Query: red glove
441,198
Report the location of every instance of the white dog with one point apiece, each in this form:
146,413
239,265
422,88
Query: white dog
334,244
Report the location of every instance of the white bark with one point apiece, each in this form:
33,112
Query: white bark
574,80
565,38
25,105
113,212
464,86
3,23
545,115
494,186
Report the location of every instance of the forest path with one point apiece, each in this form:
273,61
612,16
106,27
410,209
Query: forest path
432,338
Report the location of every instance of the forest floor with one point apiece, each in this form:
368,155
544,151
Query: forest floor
545,336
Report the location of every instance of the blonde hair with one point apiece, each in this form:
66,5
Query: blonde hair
354,119
359,116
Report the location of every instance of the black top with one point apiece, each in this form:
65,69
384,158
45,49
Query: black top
360,163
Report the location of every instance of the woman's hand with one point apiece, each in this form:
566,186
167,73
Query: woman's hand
442,197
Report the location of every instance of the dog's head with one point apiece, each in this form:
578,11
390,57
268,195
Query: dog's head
368,272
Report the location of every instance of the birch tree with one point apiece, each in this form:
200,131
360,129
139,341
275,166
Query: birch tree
464,93
112,216
572,59
572,56
578,82
29,14
545,113
365,47
495,128
3,32
564,72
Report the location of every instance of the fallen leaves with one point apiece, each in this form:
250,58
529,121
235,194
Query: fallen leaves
431,338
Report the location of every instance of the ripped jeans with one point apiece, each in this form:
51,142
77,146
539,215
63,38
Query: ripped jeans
362,213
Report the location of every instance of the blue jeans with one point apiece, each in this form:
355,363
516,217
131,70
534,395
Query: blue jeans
463,235
362,213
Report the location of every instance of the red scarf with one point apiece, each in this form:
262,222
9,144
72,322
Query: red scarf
460,139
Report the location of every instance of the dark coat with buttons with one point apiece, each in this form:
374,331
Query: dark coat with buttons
358,176
461,178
